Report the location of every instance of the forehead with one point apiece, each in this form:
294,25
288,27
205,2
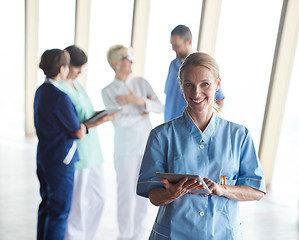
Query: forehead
197,73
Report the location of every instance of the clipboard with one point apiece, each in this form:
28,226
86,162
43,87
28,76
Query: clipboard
176,177
102,113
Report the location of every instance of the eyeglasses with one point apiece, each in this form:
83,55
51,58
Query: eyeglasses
130,59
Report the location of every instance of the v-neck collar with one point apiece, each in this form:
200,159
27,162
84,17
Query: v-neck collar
196,132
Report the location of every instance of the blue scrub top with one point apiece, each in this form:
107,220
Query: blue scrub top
224,149
175,102
55,120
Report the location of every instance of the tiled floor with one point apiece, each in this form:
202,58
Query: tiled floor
273,218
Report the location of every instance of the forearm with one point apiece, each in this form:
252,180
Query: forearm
241,193
80,133
160,197
141,102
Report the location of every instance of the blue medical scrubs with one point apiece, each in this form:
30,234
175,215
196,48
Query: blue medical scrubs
175,102
55,120
223,149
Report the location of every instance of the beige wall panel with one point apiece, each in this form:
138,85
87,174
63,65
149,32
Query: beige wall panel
278,90
31,61
209,26
82,32
139,35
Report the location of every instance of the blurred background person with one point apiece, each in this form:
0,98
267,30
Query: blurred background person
175,103
57,126
89,184
131,126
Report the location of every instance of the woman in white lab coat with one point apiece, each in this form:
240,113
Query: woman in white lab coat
131,127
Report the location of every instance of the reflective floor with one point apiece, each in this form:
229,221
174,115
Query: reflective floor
273,218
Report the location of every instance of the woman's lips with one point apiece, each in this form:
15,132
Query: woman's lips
198,101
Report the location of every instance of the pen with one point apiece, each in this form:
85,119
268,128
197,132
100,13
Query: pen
222,180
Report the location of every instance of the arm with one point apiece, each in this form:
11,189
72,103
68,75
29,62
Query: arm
130,99
149,102
153,104
80,133
161,196
220,98
122,119
220,103
250,184
67,115
237,193
105,118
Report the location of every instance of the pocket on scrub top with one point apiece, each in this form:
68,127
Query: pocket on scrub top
237,232
231,182
222,202
159,232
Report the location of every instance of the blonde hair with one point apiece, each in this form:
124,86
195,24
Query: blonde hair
201,59
115,53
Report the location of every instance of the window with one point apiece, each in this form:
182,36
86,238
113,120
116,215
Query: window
56,26
110,24
286,170
12,68
244,51
164,16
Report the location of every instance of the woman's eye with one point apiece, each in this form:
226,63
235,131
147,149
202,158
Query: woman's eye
188,84
205,84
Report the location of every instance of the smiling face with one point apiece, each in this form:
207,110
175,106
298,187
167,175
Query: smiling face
199,85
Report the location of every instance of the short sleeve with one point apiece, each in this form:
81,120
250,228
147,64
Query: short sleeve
250,173
153,161
219,94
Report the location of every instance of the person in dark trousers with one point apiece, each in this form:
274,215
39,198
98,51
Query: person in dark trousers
57,126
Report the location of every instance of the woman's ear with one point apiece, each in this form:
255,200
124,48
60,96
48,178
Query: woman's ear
115,65
61,69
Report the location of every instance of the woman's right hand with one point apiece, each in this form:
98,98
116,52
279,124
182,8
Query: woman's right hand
105,118
161,196
80,133
184,186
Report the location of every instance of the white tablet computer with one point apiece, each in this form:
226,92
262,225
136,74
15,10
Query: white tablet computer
176,177
100,114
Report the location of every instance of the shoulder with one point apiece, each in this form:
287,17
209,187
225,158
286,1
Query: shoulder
234,128
50,90
63,86
175,61
108,87
175,64
168,128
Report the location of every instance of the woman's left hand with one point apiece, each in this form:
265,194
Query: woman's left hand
215,188
237,193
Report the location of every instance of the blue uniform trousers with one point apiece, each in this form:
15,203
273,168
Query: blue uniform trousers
56,190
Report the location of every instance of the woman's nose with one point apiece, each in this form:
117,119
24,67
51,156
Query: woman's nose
197,91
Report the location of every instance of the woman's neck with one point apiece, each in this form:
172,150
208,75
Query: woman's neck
201,119
121,76
70,82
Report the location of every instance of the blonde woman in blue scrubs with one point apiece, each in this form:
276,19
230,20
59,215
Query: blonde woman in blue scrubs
200,142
